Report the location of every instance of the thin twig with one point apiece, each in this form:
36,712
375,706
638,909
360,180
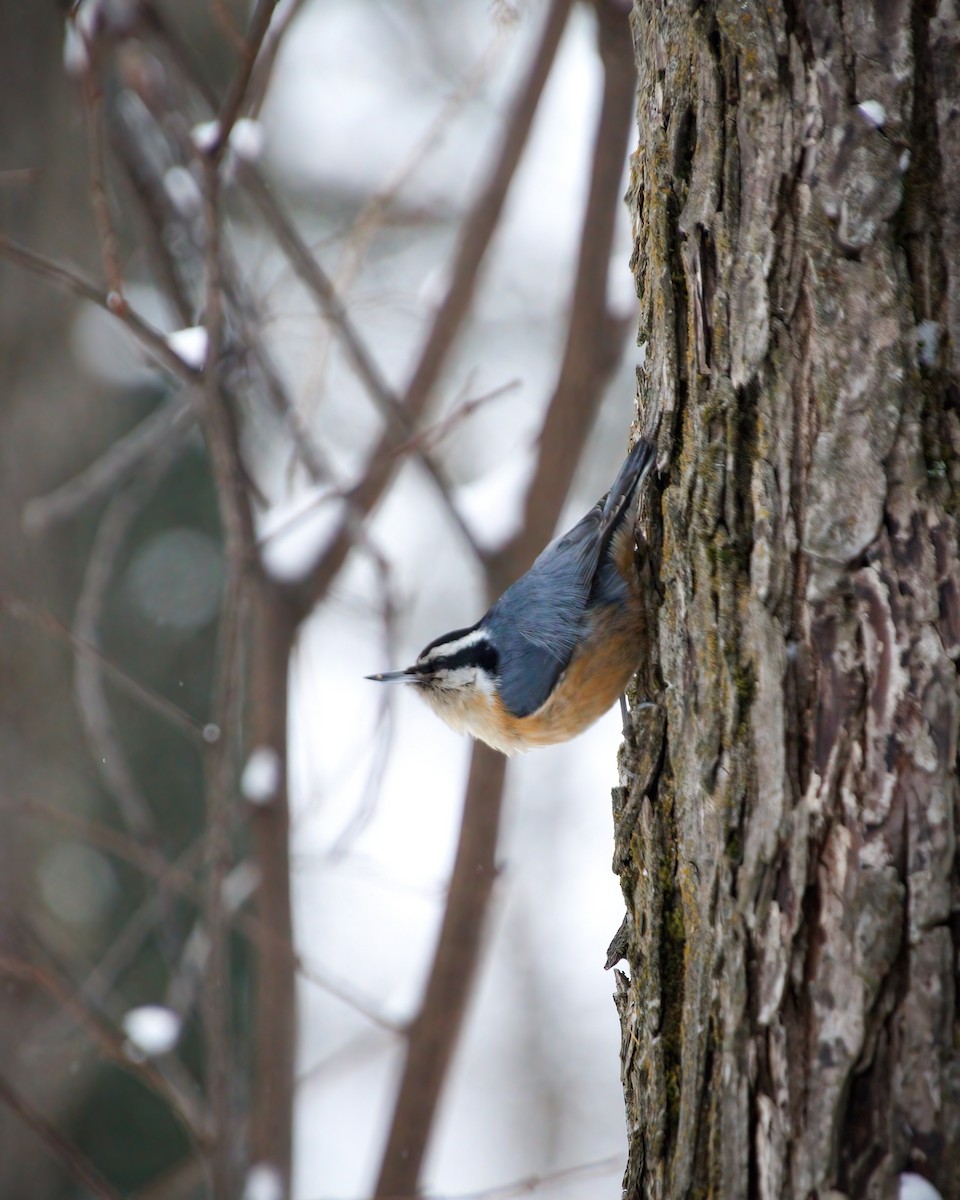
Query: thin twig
322,288
237,92
347,1056
110,1044
286,13
168,424
76,1164
529,1185
146,334
176,242
380,744
237,525
91,700
176,1077
431,435
435,1031
170,879
227,25
534,1183
188,1177
20,610
176,878
149,141
478,229
375,210
399,422
109,247
305,447
594,338
349,997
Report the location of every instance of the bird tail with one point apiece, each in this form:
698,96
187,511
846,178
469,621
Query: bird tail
635,469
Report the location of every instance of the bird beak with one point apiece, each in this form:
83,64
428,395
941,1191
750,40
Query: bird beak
407,675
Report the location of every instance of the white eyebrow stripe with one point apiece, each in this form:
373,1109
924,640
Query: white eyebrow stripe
447,649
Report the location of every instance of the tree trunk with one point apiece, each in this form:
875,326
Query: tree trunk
787,843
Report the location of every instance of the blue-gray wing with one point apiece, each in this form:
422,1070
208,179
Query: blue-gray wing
538,621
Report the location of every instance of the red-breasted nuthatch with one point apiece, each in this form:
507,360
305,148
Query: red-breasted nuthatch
559,646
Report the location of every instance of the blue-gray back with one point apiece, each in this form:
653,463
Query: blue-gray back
538,621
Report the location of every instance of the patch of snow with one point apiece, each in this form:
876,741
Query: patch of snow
263,1182
76,60
261,776
928,338
874,112
239,885
152,1030
183,190
189,345
205,135
247,139
915,1187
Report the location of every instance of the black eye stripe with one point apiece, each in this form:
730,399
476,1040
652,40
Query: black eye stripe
481,654
447,637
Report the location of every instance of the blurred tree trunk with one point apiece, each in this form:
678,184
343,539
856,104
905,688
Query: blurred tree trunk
787,849
41,425
55,420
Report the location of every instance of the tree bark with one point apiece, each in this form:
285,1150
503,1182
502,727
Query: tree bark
786,844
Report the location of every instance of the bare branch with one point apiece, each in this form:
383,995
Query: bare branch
146,334
475,237
109,1042
535,1183
109,246
594,338
170,879
587,363
237,522
530,1185
318,282
188,1177
375,211
425,439
76,1164
273,628
286,13
348,996
177,879
168,424
320,285
176,241
381,739
237,93
22,611
92,705
227,25
436,1029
